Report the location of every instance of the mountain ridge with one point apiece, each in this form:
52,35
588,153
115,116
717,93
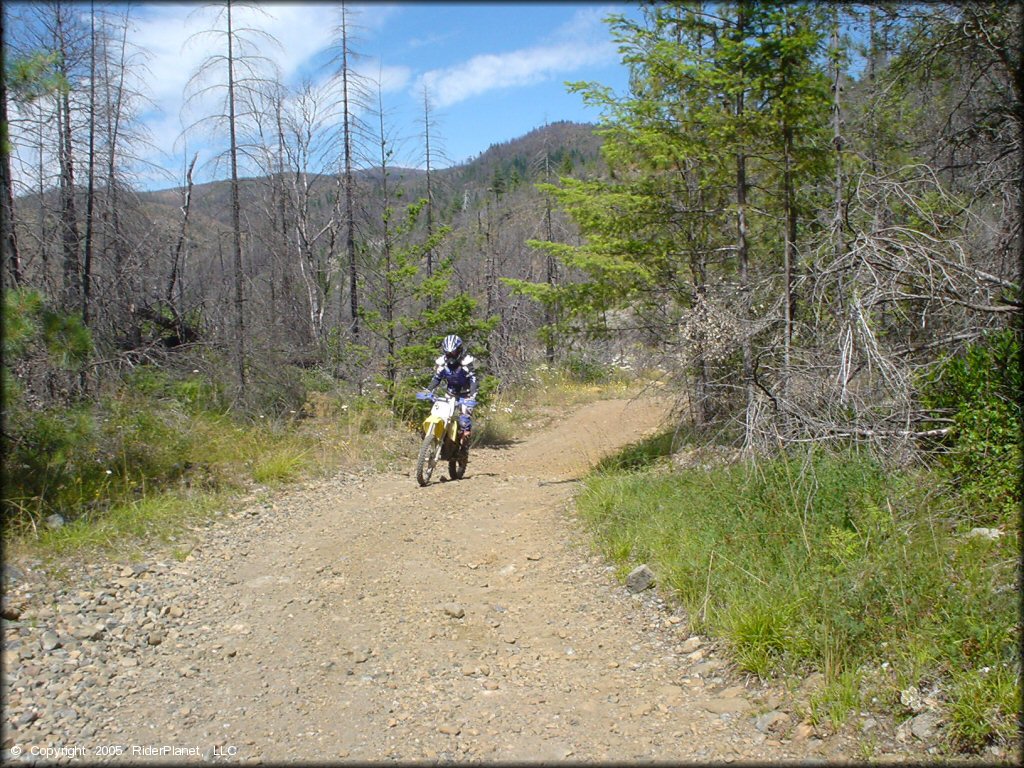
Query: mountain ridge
558,136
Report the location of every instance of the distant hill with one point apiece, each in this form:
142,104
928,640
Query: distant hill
497,185
561,142
557,149
568,147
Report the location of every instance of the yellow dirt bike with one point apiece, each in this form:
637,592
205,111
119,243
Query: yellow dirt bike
442,438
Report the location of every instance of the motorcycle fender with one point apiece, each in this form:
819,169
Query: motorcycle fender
433,424
453,430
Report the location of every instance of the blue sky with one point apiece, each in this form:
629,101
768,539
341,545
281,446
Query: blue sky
494,71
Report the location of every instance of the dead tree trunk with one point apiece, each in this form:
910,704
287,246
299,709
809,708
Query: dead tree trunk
70,236
349,183
186,205
90,195
8,235
236,222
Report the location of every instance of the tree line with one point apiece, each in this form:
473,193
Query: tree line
798,208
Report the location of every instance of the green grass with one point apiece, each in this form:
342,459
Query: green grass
638,455
141,467
827,562
495,431
281,466
841,696
129,527
982,705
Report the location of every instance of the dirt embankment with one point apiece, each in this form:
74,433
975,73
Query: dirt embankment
366,618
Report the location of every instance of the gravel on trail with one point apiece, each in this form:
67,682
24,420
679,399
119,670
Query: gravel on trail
363,618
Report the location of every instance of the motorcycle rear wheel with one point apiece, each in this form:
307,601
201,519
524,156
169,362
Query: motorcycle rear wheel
457,466
428,458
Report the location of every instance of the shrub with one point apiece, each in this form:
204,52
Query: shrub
980,389
193,390
640,455
53,460
51,463
585,371
278,467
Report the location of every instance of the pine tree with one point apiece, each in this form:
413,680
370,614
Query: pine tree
712,146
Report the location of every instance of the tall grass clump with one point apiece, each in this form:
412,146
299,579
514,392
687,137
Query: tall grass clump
128,526
829,561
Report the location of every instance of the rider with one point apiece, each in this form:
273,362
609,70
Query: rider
455,368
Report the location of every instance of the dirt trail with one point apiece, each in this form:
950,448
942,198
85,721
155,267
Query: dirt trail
370,619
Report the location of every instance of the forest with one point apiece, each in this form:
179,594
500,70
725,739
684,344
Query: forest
806,217
797,209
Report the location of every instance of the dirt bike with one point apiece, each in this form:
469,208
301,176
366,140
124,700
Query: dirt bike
442,437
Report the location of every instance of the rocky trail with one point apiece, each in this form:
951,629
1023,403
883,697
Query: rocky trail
363,618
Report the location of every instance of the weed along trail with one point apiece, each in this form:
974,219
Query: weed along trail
366,618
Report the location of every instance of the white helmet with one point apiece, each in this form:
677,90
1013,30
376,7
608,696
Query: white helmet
452,348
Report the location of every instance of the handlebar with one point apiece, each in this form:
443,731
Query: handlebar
468,402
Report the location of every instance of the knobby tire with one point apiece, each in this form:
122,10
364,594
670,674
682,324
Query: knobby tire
457,466
427,459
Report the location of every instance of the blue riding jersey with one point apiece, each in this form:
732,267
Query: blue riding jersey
460,378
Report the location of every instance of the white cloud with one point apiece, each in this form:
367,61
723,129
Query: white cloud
579,43
434,39
161,31
173,38
390,79
172,35
302,30
587,24
372,17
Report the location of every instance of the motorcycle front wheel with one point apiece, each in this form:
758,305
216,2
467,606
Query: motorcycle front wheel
428,457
